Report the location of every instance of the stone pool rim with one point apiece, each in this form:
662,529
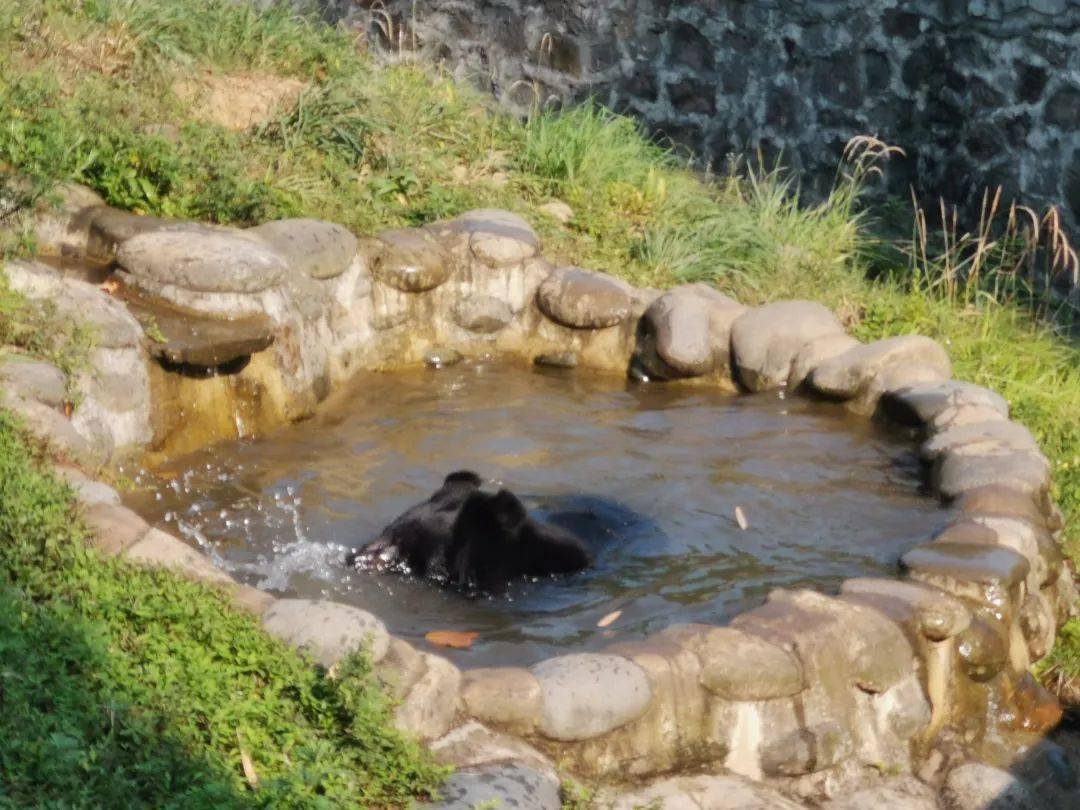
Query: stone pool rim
803,684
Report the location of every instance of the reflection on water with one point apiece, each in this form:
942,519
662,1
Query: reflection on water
826,495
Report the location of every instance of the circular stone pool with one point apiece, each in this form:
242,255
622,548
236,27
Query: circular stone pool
653,473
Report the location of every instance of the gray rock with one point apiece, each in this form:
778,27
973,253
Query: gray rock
326,630
430,706
1034,541
850,374
111,227
401,668
35,380
202,260
309,297
411,260
978,786
114,529
963,415
1020,537
178,336
583,299
739,666
52,427
899,793
250,600
816,352
87,491
839,642
95,426
497,238
1023,470
482,314
111,325
157,549
982,438
472,744
964,569
442,357
933,613
589,694
504,696
805,750
1002,502
921,404
506,786
60,217
319,249
699,792
894,378
765,341
687,332
1037,623
117,381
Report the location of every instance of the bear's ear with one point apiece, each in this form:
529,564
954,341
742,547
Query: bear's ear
462,478
508,510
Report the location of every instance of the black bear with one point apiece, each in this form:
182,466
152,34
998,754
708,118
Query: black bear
469,538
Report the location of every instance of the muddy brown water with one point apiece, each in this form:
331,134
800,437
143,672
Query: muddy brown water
653,474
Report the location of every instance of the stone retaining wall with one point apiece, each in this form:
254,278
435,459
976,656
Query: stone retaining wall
980,94
804,688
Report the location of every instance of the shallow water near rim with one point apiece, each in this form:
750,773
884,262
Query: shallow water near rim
652,474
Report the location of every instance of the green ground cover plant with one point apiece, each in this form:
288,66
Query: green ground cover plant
121,687
92,91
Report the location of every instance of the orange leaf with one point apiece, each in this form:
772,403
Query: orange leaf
609,619
459,640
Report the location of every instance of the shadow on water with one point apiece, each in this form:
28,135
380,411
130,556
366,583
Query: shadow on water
70,737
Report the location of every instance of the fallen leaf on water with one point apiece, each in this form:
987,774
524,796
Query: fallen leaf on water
458,639
609,619
740,518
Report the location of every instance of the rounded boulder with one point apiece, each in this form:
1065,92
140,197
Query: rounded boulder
766,340
201,260
583,299
585,695
320,249
326,630
411,260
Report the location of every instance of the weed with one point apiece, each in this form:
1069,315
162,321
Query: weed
575,796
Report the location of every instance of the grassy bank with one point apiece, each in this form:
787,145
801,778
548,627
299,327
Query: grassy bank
128,96
121,687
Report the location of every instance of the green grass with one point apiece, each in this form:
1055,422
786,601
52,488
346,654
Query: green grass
121,687
85,86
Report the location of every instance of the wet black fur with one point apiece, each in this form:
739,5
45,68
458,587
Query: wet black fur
472,539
